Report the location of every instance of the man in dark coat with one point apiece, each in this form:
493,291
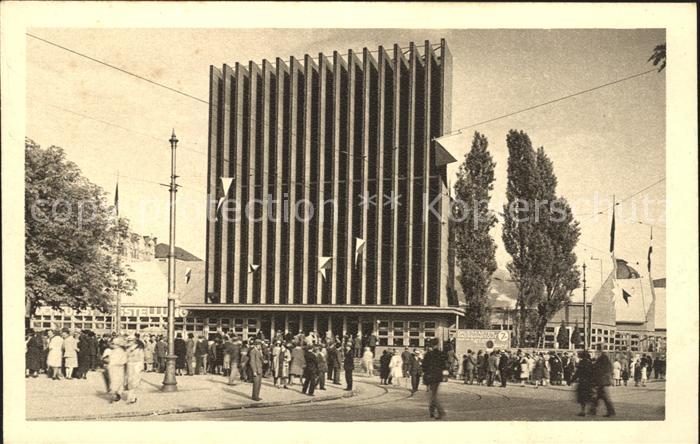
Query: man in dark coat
310,371
434,363
405,357
414,371
491,368
602,379
504,368
255,363
348,366
93,350
35,354
373,343
181,353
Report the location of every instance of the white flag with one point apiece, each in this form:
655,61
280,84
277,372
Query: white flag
359,248
253,267
226,184
324,263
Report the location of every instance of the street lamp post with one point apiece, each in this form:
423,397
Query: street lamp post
585,325
169,382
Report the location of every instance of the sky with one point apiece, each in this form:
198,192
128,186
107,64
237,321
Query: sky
607,142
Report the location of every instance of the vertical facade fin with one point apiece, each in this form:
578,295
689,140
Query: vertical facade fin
428,56
264,182
253,172
239,265
224,165
211,265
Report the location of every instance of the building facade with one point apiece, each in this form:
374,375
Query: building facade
331,195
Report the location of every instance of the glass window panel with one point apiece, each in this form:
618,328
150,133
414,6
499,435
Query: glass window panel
429,334
414,342
429,325
383,341
398,341
413,325
383,324
398,324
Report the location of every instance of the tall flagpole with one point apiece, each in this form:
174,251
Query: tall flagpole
169,382
118,314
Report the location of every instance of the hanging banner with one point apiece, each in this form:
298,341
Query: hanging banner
252,268
359,248
324,263
226,184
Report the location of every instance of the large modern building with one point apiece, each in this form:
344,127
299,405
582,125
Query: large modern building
346,191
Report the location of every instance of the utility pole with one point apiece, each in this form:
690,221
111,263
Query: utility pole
585,325
169,382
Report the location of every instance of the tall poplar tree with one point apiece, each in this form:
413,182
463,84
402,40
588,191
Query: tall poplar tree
475,249
559,233
521,237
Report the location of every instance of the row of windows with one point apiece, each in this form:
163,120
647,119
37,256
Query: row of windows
404,333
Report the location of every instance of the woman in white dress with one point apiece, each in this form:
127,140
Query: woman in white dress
617,372
395,368
70,353
134,367
54,360
368,361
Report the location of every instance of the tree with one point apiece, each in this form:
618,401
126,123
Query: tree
563,336
521,238
558,235
475,249
658,57
71,237
576,336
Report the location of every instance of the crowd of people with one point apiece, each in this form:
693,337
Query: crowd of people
310,361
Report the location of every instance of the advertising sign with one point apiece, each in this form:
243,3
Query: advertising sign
476,340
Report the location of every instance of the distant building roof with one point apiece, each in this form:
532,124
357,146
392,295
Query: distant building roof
181,254
152,282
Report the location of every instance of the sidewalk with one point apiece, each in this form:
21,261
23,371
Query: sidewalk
71,400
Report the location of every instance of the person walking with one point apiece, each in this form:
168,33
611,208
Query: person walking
384,368
94,350
491,368
255,361
405,357
469,366
310,371
34,354
348,366
524,370
234,373
322,367
116,359
180,355
617,372
296,367
70,353
414,371
201,353
538,372
602,370
226,349
584,379
504,368
83,356
161,350
54,359
433,366
396,368
368,362
149,353
190,353
134,367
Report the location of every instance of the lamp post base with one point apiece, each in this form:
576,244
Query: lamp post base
169,381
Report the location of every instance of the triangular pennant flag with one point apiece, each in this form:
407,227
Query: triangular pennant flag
446,147
324,263
626,296
359,248
116,198
651,238
188,275
226,184
612,230
253,268
221,201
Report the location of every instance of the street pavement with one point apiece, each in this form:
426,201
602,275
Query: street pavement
207,397
374,402
79,399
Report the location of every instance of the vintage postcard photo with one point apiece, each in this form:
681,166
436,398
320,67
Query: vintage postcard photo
399,224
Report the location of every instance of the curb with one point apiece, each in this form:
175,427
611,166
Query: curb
194,409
